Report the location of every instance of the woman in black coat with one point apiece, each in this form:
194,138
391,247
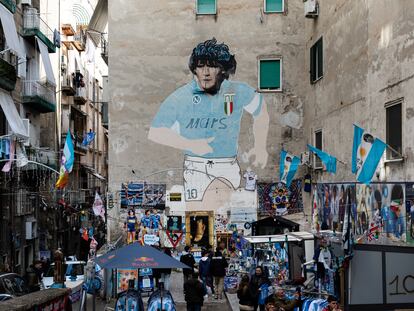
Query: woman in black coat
245,295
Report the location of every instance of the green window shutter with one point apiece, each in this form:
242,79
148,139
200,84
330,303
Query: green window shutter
206,6
312,64
270,74
274,5
320,58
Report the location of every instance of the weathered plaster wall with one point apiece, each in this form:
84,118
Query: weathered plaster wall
368,55
150,47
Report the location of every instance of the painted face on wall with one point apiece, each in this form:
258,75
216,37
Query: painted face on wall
208,76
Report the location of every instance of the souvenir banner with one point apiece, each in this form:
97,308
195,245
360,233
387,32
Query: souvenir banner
409,203
277,199
123,276
144,195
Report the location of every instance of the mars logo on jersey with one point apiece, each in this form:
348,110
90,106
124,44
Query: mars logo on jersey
228,103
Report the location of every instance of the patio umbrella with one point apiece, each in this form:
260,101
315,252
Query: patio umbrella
136,256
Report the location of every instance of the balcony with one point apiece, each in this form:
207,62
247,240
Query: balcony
10,5
79,40
68,85
8,70
104,49
39,95
33,25
77,142
80,96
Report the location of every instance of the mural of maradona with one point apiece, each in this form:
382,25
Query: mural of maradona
203,119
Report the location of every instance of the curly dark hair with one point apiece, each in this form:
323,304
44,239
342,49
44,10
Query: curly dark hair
213,54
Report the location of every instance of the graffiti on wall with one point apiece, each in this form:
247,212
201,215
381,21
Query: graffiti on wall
203,119
409,204
277,199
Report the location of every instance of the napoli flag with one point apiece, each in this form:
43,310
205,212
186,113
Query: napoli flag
366,154
327,159
288,166
69,153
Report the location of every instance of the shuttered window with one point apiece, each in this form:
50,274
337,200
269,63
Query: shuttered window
394,130
270,74
316,61
205,7
273,6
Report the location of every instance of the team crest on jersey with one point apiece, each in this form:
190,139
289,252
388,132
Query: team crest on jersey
228,103
196,99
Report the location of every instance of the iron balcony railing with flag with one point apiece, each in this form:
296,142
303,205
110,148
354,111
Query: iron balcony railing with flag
40,95
34,25
80,95
68,84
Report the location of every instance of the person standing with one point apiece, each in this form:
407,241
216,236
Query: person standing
188,259
257,283
332,304
246,297
194,293
218,271
204,267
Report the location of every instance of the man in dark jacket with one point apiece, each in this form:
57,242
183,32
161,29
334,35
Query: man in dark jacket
204,268
218,271
194,293
188,259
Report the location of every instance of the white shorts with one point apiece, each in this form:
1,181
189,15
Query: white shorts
199,173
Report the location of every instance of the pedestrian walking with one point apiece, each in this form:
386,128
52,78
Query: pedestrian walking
218,271
246,297
188,259
258,285
194,293
204,268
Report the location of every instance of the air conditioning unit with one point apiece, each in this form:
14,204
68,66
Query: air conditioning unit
26,2
311,8
305,158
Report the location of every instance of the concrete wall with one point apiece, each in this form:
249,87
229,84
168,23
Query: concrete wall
364,68
150,47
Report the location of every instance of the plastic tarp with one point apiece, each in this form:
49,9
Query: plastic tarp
9,28
46,61
13,118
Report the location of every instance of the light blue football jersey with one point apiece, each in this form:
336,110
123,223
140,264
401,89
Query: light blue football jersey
194,114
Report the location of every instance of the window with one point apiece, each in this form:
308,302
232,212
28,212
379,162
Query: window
318,144
206,7
394,129
270,75
274,6
316,61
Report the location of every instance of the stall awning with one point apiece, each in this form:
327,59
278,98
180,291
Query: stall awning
92,171
292,236
9,28
12,116
46,61
98,20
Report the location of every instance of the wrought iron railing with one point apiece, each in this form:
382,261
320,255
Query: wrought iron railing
32,20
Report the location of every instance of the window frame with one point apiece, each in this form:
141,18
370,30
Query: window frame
388,151
273,12
314,61
205,14
317,162
275,58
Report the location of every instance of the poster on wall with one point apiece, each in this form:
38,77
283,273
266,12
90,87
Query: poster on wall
330,202
123,276
220,222
277,199
381,213
140,194
409,203
199,230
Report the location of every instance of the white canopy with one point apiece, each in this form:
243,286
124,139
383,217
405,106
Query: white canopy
292,237
9,28
46,61
12,116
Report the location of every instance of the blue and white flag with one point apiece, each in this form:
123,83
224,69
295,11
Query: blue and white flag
69,153
88,138
327,159
366,154
288,166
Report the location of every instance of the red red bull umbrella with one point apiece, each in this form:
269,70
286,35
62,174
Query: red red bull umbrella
136,256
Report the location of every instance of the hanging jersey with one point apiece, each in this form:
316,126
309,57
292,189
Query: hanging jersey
251,179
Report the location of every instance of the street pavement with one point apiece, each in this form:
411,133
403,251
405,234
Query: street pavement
176,289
